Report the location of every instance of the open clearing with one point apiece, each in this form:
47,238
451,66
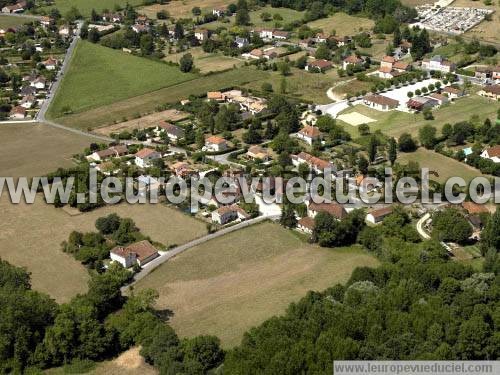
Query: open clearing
232,283
355,118
394,123
36,149
445,166
206,62
86,6
343,24
31,235
182,8
170,115
145,104
10,21
99,76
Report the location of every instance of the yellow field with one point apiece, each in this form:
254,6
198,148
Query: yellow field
182,9
343,24
234,282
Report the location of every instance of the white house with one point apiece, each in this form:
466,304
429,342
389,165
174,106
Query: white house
306,225
309,134
139,253
144,157
379,102
492,153
111,152
28,101
438,63
201,34
39,83
50,63
174,133
226,214
18,113
215,144
378,215
316,164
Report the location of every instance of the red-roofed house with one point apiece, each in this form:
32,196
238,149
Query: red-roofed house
306,224
215,144
379,102
144,157
139,253
309,134
225,214
335,209
378,215
319,65
492,153
351,60
18,113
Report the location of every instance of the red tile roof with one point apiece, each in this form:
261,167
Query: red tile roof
142,250
144,153
336,210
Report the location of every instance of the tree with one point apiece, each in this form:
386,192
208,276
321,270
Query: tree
147,44
397,38
372,148
196,11
427,136
323,52
284,68
392,152
93,35
406,143
451,225
364,129
288,218
108,224
363,165
490,236
73,14
186,63
242,17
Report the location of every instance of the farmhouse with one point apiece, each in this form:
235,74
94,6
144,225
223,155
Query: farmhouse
139,253
174,133
111,152
378,215
18,113
226,214
39,83
390,68
316,164
379,102
219,12
309,134
112,17
144,157
16,8
50,63
351,60
336,210
201,34
439,64
306,225
492,153
258,152
241,42
452,92
318,65
215,144
492,92
28,101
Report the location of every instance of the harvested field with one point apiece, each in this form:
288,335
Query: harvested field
31,235
182,9
343,24
148,121
234,282
86,6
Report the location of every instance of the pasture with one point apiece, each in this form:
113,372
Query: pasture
229,284
343,24
10,21
85,6
182,8
206,62
31,235
145,104
49,148
100,76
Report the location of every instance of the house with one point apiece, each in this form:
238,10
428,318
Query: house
321,38
341,40
351,60
401,66
387,61
65,31
255,54
50,63
111,152
226,214
492,92
16,8
174,133
270,53
264,33
201,34
419,103
378,215
405,46
140,28
39,83
215,95
28,90
140,253
18,113
335,209
28,101
280,34
441,99
306,224
112,17
438,63
316,164
45,21
483,73
215,144
309,134
379,102
319,65
258,152
390,68
219,12
492,153
107,168
452,92
182,169
144,157
241,42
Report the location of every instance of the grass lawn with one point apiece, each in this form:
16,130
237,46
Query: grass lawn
10,21
394,123
288,15
146,103
343,24
378,48
207,62
100,76
234,282
31,235
47,149
445,166
86,6
310,87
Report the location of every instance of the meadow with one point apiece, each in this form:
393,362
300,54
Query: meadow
206,62
343,24
31,235
9,21
234,282
99,76
85,6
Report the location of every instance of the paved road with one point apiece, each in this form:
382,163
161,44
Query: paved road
223,159
180,249
420,226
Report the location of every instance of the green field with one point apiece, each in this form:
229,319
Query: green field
100,76
229,284
394,123
146,103
10,21
86,6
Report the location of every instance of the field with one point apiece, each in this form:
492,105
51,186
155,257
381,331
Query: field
44,149
343,24
31,235
232,283
394,123
10,21
182,9
100,76
445,166
86,6
207,62
146,103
